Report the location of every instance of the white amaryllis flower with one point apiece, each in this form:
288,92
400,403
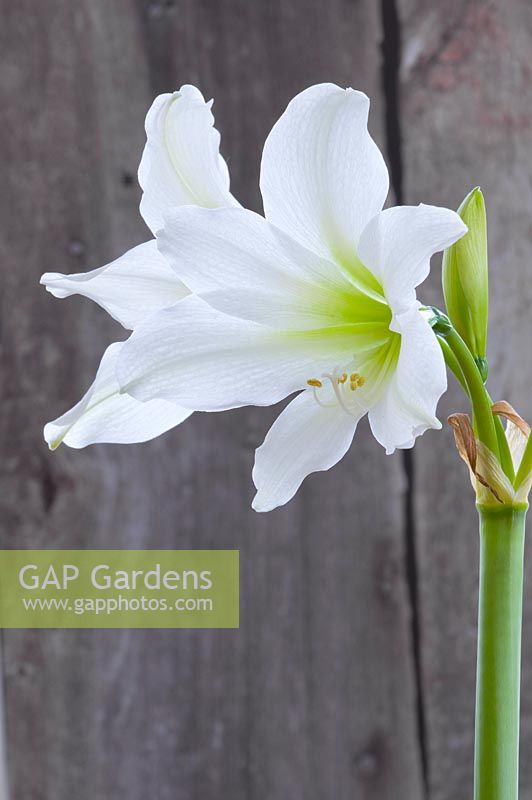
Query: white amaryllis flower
180,165
317,298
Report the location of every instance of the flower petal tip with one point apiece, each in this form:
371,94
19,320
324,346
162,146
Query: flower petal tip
257,506
260,504
49,278
52,441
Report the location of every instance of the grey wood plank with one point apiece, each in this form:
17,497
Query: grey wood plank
4,782
466,95
314,696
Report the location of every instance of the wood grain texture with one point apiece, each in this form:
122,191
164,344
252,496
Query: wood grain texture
314,696
466,99
4,786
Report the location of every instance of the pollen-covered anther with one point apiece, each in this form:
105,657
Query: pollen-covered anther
342,378
317,384
356,381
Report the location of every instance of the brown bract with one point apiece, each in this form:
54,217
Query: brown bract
491,484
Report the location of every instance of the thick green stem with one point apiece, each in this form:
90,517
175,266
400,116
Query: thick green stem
502,536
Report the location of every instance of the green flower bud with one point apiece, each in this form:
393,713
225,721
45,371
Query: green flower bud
465,280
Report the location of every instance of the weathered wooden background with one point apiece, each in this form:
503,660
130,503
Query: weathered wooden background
352,674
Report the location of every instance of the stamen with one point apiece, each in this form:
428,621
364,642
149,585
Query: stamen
337,391
337,381
318,401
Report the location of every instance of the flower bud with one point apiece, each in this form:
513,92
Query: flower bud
465,279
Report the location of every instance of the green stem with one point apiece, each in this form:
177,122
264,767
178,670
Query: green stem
526,464
480,400
504,448
452,363
502,536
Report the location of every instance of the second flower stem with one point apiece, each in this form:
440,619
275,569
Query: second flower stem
483,416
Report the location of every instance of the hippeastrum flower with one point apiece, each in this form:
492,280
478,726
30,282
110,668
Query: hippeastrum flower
180,165
318,297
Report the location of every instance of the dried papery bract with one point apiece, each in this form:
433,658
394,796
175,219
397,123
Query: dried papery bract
518,436
483,466
503,409
491,484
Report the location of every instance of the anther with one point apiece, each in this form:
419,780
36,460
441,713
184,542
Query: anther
355,381
315,382
342,378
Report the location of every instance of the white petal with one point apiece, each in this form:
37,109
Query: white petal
322,175
398,243
245,267
129,289
305,438
181,163
202,359
407,406
105,415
